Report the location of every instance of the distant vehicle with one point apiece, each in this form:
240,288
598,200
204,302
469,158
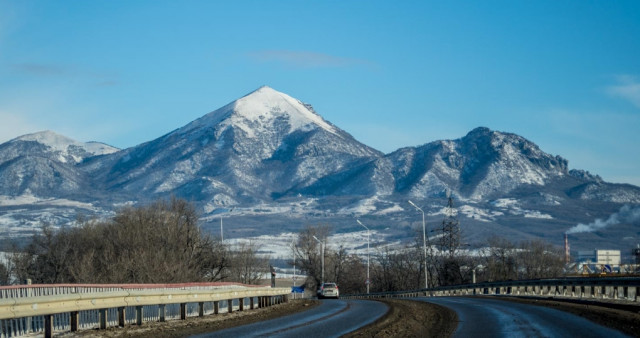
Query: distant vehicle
328,290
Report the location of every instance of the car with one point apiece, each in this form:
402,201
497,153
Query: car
328,290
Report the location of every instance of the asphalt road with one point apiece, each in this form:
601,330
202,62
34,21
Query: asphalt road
332,318
484,317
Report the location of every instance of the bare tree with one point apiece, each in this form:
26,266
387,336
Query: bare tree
246,266
539,259
309,253
500,259
4,274
158,243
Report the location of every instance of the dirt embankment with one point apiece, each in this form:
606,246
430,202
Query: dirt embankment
411,319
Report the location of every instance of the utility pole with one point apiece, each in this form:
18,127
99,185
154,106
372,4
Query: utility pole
368,235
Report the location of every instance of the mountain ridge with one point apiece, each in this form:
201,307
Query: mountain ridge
270,154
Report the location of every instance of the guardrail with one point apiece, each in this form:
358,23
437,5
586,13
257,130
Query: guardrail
601,288
70,307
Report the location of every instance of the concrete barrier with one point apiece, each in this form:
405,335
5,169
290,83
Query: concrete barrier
20,308
601,288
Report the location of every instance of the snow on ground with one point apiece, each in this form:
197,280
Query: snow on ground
29,199
363,207
301,208
478,214
280,246
505,202
536,214
512,206
394,208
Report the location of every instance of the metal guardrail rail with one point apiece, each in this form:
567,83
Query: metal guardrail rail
70,307
600,288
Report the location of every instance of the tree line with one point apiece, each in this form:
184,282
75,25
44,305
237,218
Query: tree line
396,269
156,243
162,243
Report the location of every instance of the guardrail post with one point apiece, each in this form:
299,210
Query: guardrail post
216,307
162,312
121,316
73,321
139,310
241,303
102,313
48,326
230,306
251,303
201,309
183,311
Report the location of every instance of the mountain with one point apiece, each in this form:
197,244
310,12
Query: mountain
45,164
279,165
255,148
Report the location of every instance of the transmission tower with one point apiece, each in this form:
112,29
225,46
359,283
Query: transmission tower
450,239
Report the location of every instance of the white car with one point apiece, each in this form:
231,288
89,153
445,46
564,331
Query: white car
328,290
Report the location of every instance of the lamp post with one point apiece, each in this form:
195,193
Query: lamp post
293,248
368,236
321,243
424,246
221,231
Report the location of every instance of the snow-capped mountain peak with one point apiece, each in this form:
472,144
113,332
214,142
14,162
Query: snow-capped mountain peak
259,109
267,103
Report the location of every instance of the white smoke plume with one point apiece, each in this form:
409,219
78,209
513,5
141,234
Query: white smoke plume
625,215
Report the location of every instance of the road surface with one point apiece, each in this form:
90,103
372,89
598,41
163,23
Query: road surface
332,318
486,317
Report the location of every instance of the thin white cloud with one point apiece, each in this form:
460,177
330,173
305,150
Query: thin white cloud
39,69
305,59
628,88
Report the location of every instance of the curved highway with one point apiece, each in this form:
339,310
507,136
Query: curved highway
485,317
332,318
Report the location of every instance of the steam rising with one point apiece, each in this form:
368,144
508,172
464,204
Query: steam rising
625,215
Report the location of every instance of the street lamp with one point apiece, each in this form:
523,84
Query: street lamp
293,248
322,243
221,231
424,246
368,235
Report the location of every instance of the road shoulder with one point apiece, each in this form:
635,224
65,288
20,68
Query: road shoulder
408,318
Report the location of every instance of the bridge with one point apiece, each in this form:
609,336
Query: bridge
70,307
606,289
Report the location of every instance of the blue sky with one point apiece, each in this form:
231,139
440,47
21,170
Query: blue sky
564,74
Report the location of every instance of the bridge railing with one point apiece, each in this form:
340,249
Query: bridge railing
606,289
71,307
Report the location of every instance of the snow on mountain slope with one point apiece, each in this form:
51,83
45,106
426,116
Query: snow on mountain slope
276,161
258,110
261,145
475,166
66,149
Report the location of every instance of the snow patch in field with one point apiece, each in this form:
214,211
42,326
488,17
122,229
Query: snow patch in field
512,206
478,214
280,246
29,199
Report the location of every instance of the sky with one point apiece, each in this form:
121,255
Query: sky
563,74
